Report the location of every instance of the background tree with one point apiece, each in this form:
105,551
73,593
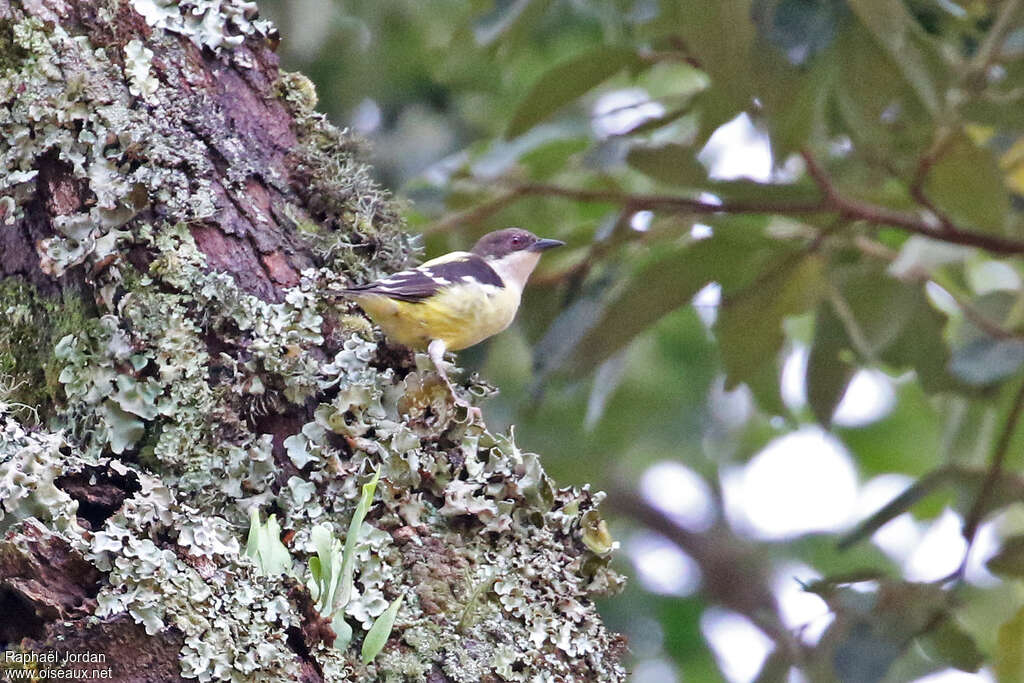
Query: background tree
173,215
857,276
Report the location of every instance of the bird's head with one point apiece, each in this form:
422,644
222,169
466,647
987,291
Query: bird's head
501,243
513,252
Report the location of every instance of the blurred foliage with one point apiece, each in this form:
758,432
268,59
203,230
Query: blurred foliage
886,235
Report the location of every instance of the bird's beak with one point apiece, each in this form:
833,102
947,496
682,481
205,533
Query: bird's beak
544,245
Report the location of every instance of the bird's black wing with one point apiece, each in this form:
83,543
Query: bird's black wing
421,283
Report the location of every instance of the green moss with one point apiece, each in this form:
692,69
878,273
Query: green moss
34,323
11,54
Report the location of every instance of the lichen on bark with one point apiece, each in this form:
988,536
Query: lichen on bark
173,215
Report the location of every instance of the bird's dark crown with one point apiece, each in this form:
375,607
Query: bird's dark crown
500,243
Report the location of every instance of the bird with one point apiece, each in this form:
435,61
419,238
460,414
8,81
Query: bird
456,300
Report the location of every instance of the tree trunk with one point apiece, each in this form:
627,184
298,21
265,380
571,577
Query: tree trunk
172,215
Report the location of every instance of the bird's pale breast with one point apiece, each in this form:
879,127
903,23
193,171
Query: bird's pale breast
459,316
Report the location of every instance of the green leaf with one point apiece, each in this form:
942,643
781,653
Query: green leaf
893,321
1009,561
342,630
657,122
324,568
901,37
967,184
673,164
986,361
867,95
265,547
377,636
348,559
799,28
827,374
955,646
722,35
749,326
123,428
908,440
551,157
567,81
676,275
1009,654
796,102
741,191
505,16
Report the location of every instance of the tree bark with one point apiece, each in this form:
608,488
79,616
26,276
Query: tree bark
172,215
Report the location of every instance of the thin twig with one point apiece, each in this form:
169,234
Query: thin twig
948,232
995,470
935,152
996,36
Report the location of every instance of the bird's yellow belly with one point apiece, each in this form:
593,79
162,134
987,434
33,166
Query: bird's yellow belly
459,317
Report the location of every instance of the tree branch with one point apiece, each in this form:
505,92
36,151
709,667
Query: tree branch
654,202
831,202
947,231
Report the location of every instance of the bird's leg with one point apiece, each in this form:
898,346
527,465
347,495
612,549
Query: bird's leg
436,351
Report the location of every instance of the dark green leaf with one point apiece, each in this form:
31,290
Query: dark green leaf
898,34
722,35
675,276
567,81
955,646
799,28
749,326
506,15
827,374
680,619
673,164
549,158
1009,561
987,361
660,121
967,184
1009,655
797,105
775,193
881,115
557,350
895,322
